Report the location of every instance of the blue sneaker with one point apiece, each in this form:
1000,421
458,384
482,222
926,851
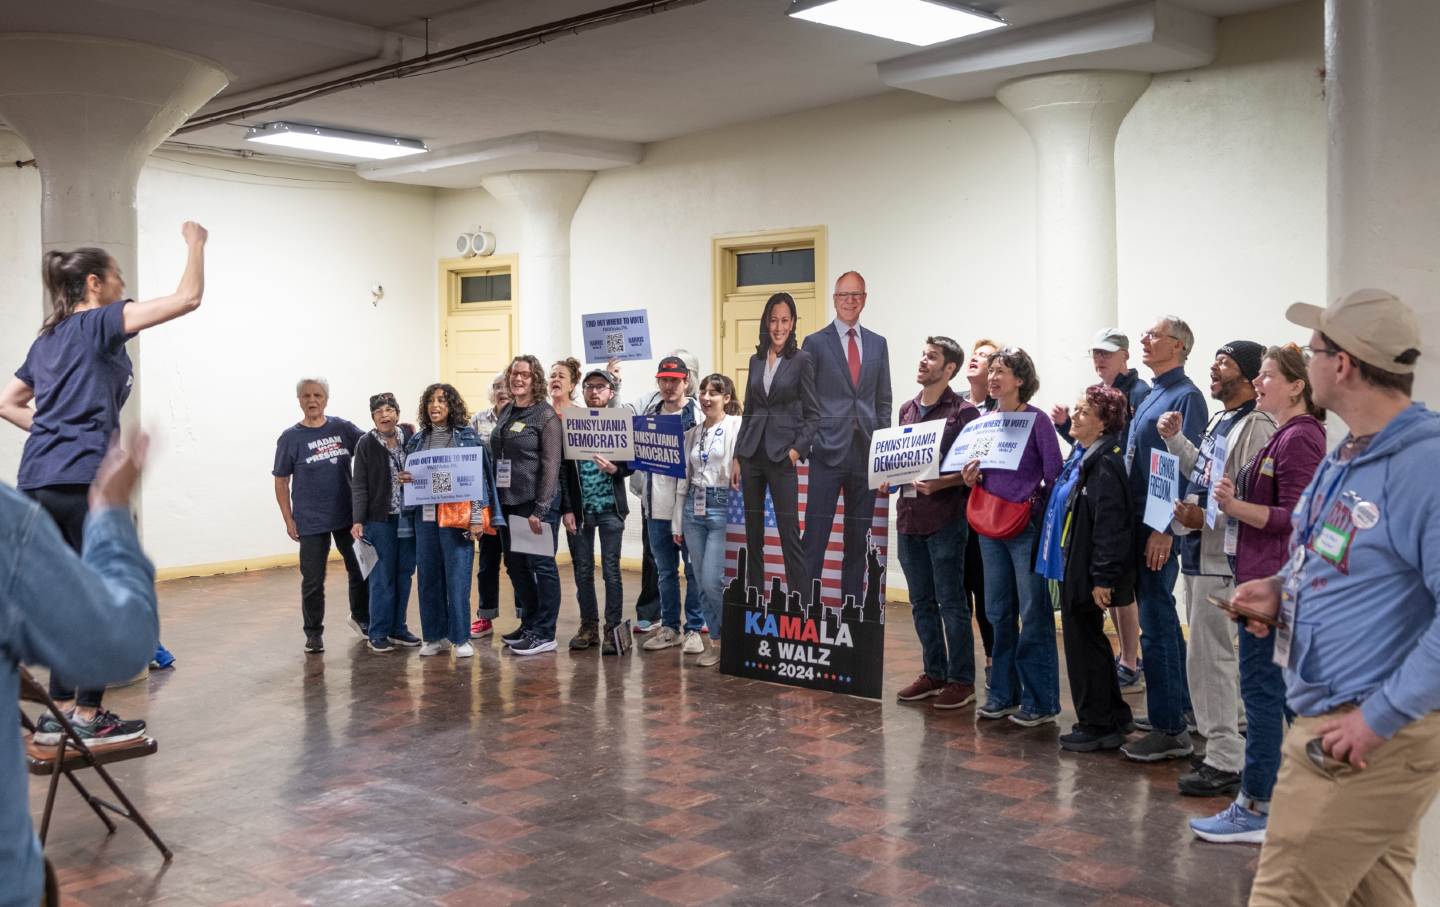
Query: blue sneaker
405,638
1130,678
1236,825
163,658
1027,718
995,711
643,626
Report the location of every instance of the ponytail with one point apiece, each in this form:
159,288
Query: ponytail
65,275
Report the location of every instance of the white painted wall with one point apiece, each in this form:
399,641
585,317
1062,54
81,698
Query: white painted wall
293,252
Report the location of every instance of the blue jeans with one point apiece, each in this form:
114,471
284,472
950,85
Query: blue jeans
1162,644
934,568
668,556
611,527
705,538
445,558
1262,689
1025,668
390,580
536,579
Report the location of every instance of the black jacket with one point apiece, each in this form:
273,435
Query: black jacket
370,479
570,495
1100,539
786,417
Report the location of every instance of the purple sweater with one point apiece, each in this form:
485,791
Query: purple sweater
1275,479
1041,462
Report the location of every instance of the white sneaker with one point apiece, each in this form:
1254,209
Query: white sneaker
464,650
694,643
662,638
432,648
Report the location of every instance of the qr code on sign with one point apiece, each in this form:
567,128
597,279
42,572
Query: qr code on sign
614,342
440,483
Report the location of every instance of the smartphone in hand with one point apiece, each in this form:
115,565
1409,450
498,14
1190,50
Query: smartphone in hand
1234,610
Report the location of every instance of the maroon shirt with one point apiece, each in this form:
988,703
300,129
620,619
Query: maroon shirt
925,514
1275,479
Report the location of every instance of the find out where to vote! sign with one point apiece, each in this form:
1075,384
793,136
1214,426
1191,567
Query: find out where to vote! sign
997,441
907,453
660,445
616,335
604,432
1163,490
449,474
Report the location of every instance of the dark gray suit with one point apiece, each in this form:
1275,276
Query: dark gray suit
849,415
773,423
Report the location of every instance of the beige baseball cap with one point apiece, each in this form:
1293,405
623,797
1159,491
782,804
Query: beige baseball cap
1371,325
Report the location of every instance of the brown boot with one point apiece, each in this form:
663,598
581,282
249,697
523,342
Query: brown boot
588,636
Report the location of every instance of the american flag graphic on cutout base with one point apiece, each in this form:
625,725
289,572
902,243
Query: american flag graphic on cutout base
834,551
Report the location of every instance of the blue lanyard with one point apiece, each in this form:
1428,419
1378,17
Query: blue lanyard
1325,504
705,448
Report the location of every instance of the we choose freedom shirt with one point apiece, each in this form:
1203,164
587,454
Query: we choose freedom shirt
318,459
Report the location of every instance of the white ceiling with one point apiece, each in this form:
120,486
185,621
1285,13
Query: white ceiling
686,70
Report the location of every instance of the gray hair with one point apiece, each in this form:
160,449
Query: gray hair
692,365
1182,333
300,385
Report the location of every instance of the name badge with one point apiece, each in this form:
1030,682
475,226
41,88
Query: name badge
698,501
1232,536
908,491
427,513
517,426
1267,466
502,473
1332,543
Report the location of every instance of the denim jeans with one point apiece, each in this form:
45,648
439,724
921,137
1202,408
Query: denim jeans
1162,645
934,568
611,527
487,576
536,579
445,558
668,556
705,538
1025,669
1262,688
390,580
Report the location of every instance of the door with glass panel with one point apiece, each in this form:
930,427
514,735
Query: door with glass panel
477,336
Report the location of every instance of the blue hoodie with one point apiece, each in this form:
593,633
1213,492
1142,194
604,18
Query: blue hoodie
1365,628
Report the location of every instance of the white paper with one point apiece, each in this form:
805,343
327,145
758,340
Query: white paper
1219,453
368,557
523,541
906,453
1163,490
609,433
997,441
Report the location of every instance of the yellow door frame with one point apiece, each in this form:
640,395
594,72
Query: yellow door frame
723,251
451,271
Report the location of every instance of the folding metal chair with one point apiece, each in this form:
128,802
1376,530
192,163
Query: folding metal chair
70,754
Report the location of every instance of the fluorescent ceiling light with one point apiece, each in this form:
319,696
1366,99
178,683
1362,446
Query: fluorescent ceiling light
334,141
919,22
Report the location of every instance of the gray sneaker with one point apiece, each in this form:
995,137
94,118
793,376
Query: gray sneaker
1157,746
662,638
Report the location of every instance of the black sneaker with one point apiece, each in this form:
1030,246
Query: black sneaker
405,638
314,645
48,730
530,645
107,728
359,627
1208,781
1157,746
1190,724
513,636
1078,741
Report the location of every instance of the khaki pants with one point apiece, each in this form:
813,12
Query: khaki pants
1342,836
1214,672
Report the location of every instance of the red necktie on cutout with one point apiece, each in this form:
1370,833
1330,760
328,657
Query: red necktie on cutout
853,357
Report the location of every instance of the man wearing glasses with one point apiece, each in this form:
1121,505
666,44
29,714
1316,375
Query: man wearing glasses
1359,636
1165,347
852,375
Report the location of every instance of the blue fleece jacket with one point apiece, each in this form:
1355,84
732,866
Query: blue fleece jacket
1173,392
1365,627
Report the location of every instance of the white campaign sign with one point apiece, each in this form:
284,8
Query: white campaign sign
1163,490
997,441
445,474
605,432
906,453
1219,454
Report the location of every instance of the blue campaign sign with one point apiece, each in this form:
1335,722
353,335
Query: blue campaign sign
616,335
660,445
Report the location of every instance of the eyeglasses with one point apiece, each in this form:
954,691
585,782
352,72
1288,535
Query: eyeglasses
1320,351
596,387
1152,335
849,295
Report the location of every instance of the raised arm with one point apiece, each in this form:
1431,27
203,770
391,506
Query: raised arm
186,298
15,404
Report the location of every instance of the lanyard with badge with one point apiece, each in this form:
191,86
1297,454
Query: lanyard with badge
503,465
697,492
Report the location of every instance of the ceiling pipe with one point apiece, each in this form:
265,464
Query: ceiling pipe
459,55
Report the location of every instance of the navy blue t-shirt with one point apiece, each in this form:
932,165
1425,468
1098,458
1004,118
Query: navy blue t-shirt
319,460
81,377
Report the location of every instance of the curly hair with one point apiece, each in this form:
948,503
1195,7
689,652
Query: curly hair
1019,362
537,375
571,366
722,384
1111,407
459,415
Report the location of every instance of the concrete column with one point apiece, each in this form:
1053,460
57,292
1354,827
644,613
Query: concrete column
546,201
1384,197
1073,118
